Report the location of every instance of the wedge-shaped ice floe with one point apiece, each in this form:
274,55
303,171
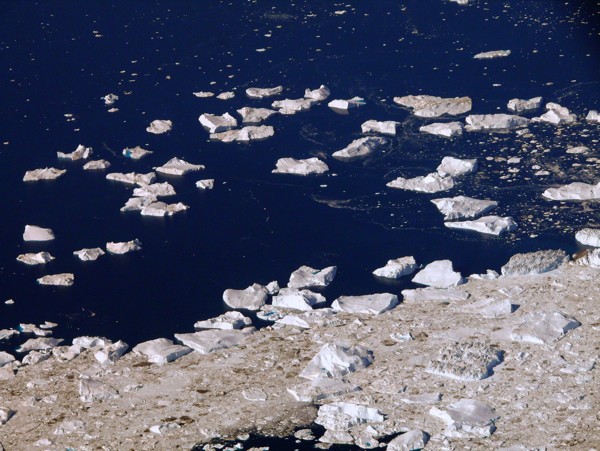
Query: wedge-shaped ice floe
318,94
226,321
361,147
246,134
467,418
521,105
292,106
544,327
124,247
489,225
434,295
430,183
65,279
492,54
160,209
132,178
557,114
39,344
455,167
494,122
261,93
307,166
205,184
439,274
43,174
589,237
159,126
35,259
307,277
334,360
35,233
322,389
394,269
534,263
340,104
466,361
207,341
251,298
81,153
255,115
164,189
370,304
176,166
96,165
296,299
573,191
445,129
161,350
136,153
214,123
462,207
432,106
382,127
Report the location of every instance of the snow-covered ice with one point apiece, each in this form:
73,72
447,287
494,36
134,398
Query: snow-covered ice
176,166
361,147
370,304
43,174
445,129
214,123
35,233
307,277
462,207
307,166
81,153
489,225
432,106
394,269
439,274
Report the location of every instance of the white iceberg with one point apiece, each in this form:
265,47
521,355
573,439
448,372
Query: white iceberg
557,114
35,259
159,126
43,174
533,263
138,203
492,54
132,178
307,277
226,321
439,274
111,352
205,184
455,167
467,418
521,105
261,93
136,153
90,254
573,191
544,327
123,247
295,299
318,94
161,350
432,106
96,165
62,280
308,166
39,344
110,99
361,147
445,129
164,189
462,207
394,269
593,116
176,166
207,341
203,94
81,153
255,115
414,439
292,106
434,295
383,127
35,233
589,237
430,183
341,416
490,225
333,361
321,389
161,209
370,304
494,122
251,298
354,102
226,95
246,134
214,123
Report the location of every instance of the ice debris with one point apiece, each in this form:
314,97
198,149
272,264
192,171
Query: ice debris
35,233
501,121
534,263
255,115
226,321
64,279
361,147
261,93
492,54
439,274
132,178
383,127
124,247
43,174
588,237
307,277
489,225
136,153
432,106
333,361
318,94
348,104
520,105
466,361
205,184
462,207
245,134
161,350
251,298
159,126
91,390
434,295
96,165
394,269
370,304
81,153
445,129
467,418
214,123
296,299
573,191
207,341
544,327
35,259
176,166
307,166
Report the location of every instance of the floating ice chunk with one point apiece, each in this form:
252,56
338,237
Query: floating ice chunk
430,183
544,327
81,153
434,295
159,126
593,116
35,233
534,263
494,122
490,225
383,127
370,304
208,341
124,247
557,114
203,94
414,439
255,115
492,54
43,174
521,105
164,189
214,123
432,106
161,350
35,259
455,167
459,2
160,209
293,298
467,418
361,147
461,207
261,93
6,358
87,342
348,104
589,237
175,166
111,352
394,269
96,165
110,99
322,389
467,361
226,321
226,95
246,134
307,277
292,106
446,129
39,344
136,153
137,203
205,184
341,416
93,390
490,307
439,274
308,166
63,280
573,191
132,178
251,298
578,150
90,254
318,94
336,361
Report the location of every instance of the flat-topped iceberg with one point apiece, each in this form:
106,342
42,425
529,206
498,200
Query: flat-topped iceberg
383,127
159,126
292,106
589,237
214,123
455,167
432,106
35,259
245,134
430,183
160,209
462,207
544,327
439,274
361,147
318,94
333,361
43,174
207,341
136,153
494,121
226,321
261,93
251,298
65,279
255,115
81,153
371,304
89,254
308,166
573,191
394,269
557,114
492,54
534,263
521,105
35,233
124,247
296,299
467,418
161,350
164,189
445,129
96,165
132,178
340,104
307,277
490,225
176,166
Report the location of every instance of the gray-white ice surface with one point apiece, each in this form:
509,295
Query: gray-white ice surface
494,122
39,344
370,304
589,237
465,361
445,129
333,361
161,350
39,258
361,147
577,150
245,134
81,153
292,106
207,341
91,390
96,165
136,153
492,54
65,279
341,416
164,189
307,277
431,294
439,274
214,123
318,95
534,263
204,94
296,299
462,207
255,115
347,104
593,116
226,321
111,352
382,127
6,358
396,268
261,93
159,126
176,166
124,247
35,233
110,99
43,174
137,203
589,258
521,105
414,439
490,307
455,167
432,106
461,2
227,95
307,166
205,184
544,327
251,298
489,225
322,389
573,191
467,418
430,183
160,209
132,178
556,114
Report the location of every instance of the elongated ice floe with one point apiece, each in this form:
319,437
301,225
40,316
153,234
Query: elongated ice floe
532,263
214,123
573,191
64,279
399,267
35,233
361,147
292,106
255,115
164,189
589,237
340,104
81,153
132,178
489,225
39,258
439,274
462,207
124,247
89,254
521,105
371,304
245,134
432,106
251,298
318,95
96,165
261,93
161,350
445,129
430,183
136,153
204,94
544,327
159,126
176,166
383,127
308,166
207,341
161,209
556,114
226,321
477,122
307,277
43,174
492,54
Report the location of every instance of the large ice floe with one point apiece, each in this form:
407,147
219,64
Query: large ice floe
35,233
462,207
307,277
214,123
175,166
207,341
255,115
445,129
63,279
371,304
521,105
534,263
394,269
382,127
161,209
489,225
245,134
251,298
136,153
308,166
544,327
430,294
492,54
589,237
43,174
123,247
132,178
348,104
500,121
432,106
164,189
573,191
439,274
465,361
81,153
442,180
39,258
467,418
261,93
293,298
159,126
360,147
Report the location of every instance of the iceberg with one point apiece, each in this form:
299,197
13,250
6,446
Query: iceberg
255,115
354,102
544,327
91,390
370,304
164,189
136,153
490,225
556,114
455,167
132,178
62,280
492,54
226,321
43,174
432,106
207,341
159,126
251,298
334,361
110,99
588,237
361,147
161,209
261,93
394,269
430,183
246,134
90,254
295,299
39,344
292,106
321,389
175,166
35,233
205,184
467,418
383,127
341,416
477,122
445,129
214,123
137,203
203,94
111,352
439,274
308,166
226,95
434,295
534,263
307,277
593,116
573,191
414,439
466,361
161,350
81,153
318,94
35,259
520,105
462,207
96,165
124,247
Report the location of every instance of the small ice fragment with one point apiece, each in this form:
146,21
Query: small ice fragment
63,279
159,126
35,233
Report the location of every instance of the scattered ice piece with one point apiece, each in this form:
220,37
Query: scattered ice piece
255,115
578,150
467,418
341,416
348,104
490,225
132,178
176,166
136,153
494,122
94,390
589,237
455,167
159,126
519,105
81,153
490,307
394,269
383,127
593,116
322,389
534,263
207,341
573,191
492,54
446,129
39,344
307,277
251,298
334,361
461,207
557,114
161,350
214,123
439,274
226,321
35,259
272,287
318,94
89,254
467,361
432,106
434,295
109,99
308,166
226,95
261,93
203,94
490,274
33,329
164,189
64,279
370,304
205,184
292,106
87,342
43,174
361,147
160,209
35,233
245,134
124,247
96,165
414,439
544,327
293,298
430,183
138,203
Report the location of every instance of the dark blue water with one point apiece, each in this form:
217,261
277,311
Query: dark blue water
59,58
